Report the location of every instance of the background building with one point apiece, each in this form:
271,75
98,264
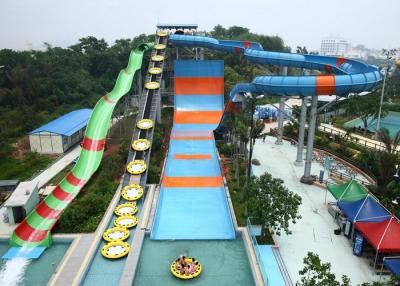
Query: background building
335,46
22,201
60,134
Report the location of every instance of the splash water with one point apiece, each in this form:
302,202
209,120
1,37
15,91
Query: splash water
13,270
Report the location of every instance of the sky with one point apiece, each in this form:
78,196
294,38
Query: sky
26,24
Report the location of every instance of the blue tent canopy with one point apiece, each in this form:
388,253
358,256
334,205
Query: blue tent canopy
393,264
367,209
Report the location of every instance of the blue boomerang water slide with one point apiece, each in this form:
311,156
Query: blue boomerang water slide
341,76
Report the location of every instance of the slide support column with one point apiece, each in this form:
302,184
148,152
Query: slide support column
306,178
281,113
302,127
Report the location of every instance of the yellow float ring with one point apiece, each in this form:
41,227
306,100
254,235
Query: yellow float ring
126,221
162,33
152,85
157,58
136,167
141,145
126,209
155,70
159,47
132,192
178,274
115,249
144,124
116,233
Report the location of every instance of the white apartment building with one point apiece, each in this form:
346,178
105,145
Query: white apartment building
335,46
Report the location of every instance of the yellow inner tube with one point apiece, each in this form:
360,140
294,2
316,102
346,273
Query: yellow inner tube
159,47
157,58
155,70
144,124
132,192
126,221
116,233
141,144
115,249
152,85
162,33
178,274
136,167
126,209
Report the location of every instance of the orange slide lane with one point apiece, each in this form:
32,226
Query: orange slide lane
199,85
197,117
192,182
192,157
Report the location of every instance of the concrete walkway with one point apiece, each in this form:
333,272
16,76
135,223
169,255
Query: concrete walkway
314,232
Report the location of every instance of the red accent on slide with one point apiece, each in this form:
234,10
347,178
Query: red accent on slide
62,195
74,180
199,85
247,44
25,232
237,50
197,117
93,145
47,212
107,99
340,61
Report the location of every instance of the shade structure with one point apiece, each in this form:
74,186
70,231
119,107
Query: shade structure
350,191
393,264
367,209
383,235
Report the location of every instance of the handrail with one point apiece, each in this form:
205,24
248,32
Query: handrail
257,251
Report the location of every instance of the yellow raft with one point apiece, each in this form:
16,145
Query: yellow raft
136,167
141,145
162,33
152,85
115,249
126,221
155,70
116,233
144,124
126,209
178,274
157,58
132,192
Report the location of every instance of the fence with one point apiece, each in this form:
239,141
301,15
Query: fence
257,251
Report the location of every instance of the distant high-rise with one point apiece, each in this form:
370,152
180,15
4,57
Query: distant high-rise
334,46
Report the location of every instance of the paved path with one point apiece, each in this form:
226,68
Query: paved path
314,232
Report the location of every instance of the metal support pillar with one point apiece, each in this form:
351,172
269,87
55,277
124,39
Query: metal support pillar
306,178
281,114
302,127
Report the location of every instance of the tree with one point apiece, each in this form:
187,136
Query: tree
365,107
273,204
317,273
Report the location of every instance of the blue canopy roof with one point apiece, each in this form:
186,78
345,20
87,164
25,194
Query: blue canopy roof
367,209
67,124
393,264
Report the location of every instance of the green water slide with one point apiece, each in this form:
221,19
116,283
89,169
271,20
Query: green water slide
34,231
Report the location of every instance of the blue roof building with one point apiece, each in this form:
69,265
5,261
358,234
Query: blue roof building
59,135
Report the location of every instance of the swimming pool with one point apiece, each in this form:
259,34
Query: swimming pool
38,271
224,262
391,122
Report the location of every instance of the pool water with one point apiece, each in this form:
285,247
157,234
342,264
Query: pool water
39,271
224,262
391,122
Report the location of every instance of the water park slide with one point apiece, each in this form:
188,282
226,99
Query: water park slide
192,203
34,232
342,76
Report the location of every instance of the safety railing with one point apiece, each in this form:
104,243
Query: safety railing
254,243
